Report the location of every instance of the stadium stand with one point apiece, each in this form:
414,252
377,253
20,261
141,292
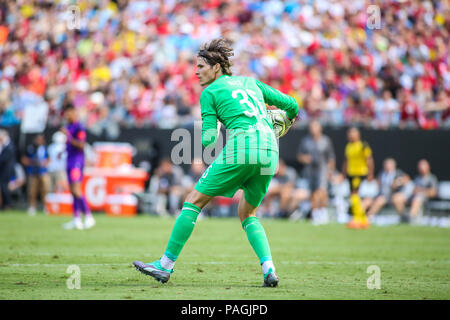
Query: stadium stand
131,62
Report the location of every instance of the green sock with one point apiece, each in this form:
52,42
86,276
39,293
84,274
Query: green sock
257,238
182,230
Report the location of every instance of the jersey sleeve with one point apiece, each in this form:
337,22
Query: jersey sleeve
209,119
367,150
278,99
433,182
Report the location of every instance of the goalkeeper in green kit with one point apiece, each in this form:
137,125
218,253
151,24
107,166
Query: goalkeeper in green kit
247,161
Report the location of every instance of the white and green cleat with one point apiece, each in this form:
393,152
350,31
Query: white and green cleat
270,279
154,269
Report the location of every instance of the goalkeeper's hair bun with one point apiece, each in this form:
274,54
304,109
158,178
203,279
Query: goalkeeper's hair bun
218,51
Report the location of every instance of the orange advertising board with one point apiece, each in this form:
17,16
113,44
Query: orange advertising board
108,185
99,183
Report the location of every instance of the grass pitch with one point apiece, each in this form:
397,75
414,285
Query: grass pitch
325,262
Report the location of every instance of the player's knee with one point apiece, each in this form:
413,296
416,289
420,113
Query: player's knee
197,198
246,214
417,200
302,194
315,196
77,193
76,190
397,198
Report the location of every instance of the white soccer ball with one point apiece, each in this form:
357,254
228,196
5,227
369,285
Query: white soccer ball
280,122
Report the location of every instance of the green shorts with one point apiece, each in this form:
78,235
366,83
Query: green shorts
225,176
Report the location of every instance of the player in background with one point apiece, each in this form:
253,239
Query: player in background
358,165
316,153
239,103
76,137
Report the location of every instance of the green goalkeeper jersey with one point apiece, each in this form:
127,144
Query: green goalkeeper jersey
239,103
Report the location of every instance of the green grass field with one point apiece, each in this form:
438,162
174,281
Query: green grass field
325,262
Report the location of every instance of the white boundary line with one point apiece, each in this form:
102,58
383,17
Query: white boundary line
233,263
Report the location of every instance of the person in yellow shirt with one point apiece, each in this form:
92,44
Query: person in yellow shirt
101,75
358,165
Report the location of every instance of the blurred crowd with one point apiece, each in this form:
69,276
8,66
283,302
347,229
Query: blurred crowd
132,63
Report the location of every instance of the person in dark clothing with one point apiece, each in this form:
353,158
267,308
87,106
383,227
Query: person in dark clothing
36,160
7,162
169,190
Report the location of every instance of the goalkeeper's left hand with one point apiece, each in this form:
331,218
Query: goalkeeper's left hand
289,123
281,122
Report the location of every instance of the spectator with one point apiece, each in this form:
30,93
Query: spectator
7,116
193,175
316,153
386,111
18,180
166,184
280,189
35,161
300,205
340,190
368,191
425,187
391,181
442,104
7,161
411,115
189,180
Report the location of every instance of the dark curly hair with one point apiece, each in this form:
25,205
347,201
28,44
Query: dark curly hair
217,51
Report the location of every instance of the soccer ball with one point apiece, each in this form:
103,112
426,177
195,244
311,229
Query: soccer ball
280,122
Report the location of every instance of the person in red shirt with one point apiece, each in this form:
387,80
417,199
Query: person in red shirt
410,113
